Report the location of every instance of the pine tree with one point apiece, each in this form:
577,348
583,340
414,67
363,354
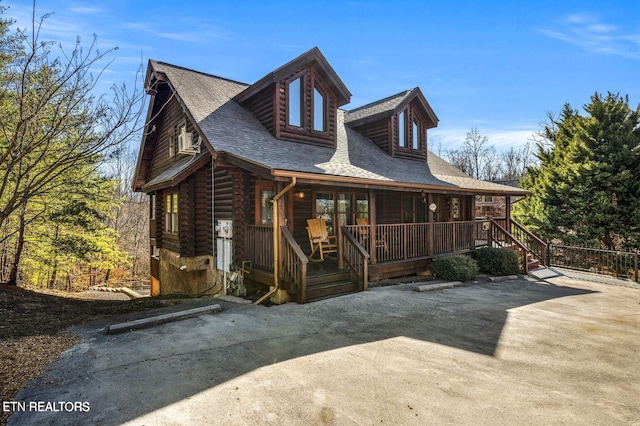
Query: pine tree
586,189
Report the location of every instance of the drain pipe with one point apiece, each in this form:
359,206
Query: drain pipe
276,241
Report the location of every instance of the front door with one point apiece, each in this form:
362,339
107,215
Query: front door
337,209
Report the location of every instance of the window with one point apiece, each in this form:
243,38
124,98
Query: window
325,209
455,208
362,205
294,102
344,209
318,110
414,209
173,141
411,134
401,130
339,209
171,213
266,206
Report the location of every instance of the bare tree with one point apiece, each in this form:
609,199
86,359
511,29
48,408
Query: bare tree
51,121
54,131
131,218
515,162
491,167
475,144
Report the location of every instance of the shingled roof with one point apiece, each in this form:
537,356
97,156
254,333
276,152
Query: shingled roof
232,130
386,107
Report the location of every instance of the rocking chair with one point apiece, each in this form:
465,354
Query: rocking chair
320,240
381,240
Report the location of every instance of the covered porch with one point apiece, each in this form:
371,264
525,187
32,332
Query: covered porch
378,234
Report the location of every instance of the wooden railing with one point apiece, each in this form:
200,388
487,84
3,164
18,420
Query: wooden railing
481,230
259,246
404,241
453,237
500,237
355,257
528,239
294,265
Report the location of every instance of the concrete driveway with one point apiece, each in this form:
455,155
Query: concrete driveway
554,351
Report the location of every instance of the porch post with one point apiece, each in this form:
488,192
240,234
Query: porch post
340,247
507,213
278,221
473,208
430,220
372,224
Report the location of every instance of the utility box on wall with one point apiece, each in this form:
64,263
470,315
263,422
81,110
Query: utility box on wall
224,245
225,229
224,256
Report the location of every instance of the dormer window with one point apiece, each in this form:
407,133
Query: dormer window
410,136
402,134
295,102
318,110
299,101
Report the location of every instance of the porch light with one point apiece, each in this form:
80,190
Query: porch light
300,194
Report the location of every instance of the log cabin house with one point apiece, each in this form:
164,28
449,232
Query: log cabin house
235,170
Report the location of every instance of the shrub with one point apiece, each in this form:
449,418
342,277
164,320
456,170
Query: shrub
498,261
455,268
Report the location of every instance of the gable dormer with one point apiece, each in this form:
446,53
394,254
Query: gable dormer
397,124
299,101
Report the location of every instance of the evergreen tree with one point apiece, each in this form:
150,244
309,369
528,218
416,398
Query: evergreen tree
586,189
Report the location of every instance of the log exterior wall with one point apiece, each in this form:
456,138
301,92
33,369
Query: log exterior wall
306,133
379,132
168,121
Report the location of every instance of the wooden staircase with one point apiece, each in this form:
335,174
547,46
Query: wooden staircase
330,285
530,248
532,262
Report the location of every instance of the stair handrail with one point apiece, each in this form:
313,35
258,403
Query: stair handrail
294,264
356,257
522,249
542,253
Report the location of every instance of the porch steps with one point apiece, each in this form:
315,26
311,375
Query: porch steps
330,285
532,263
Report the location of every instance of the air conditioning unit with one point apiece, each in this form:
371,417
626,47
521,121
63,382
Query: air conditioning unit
185,144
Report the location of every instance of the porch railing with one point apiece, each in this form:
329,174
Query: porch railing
404,241
453,237
355,257
535,244
294,265
500,237
259,246
481,229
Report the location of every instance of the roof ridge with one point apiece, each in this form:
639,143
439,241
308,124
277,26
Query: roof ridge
370,104
199,72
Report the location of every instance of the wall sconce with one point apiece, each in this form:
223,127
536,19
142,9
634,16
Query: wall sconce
300,195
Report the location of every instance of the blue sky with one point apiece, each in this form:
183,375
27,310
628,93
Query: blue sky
498,66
